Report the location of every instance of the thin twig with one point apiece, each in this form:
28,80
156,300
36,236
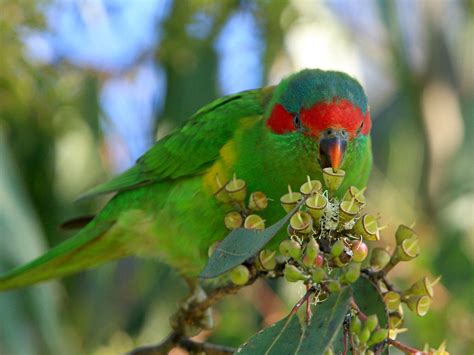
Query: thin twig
306,296
406,348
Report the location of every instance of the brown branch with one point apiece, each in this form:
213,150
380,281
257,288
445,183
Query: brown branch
406,348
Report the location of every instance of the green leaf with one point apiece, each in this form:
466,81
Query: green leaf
325,325
283,337
240,245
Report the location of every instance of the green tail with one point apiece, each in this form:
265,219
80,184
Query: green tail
90,247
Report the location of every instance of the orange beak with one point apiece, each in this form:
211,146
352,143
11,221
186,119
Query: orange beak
331,151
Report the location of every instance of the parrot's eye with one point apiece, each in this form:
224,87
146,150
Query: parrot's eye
297,121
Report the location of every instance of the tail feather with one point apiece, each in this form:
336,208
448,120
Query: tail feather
90,247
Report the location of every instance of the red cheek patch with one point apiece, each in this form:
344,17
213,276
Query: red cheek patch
280,121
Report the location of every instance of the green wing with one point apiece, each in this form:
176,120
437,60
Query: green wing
192,148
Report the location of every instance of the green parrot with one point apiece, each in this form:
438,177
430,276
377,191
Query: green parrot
165,205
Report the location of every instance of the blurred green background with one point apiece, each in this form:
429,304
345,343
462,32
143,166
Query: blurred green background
86,86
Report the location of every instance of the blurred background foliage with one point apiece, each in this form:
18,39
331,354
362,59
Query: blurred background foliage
86,86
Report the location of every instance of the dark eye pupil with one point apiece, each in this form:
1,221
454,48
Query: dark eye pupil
297,121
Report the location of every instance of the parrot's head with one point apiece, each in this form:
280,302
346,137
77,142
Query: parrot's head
328,108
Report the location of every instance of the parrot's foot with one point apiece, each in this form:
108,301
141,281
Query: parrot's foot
190,318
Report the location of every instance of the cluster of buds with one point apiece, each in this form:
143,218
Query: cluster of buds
366,332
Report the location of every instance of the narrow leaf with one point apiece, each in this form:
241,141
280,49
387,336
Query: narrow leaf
240,245
325,325
282,337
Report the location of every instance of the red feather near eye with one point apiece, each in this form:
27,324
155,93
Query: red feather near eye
280,121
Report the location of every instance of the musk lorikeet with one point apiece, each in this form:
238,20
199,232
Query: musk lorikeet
165,205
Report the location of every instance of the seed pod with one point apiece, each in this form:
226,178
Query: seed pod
240,275
423,287
352,272
312,248
404,232
254,222
236,189
364,336
356,325
408,250
367,227
293,274
338,247
356,194
316,205
392,300
359,251
379,259
378,336
301,222
347,211
311,187
285,246
318,275
319,260
371,322
419,304
258,201
233,220
332,179
290,200
333,286
395,320
266,260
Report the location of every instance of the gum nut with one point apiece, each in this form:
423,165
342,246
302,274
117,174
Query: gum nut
266,260
348,210
332,179
213,248
308,261
356,325
367,227
237,189
359,251
290,200
285,247
311,187
392,300
378,336
352,273
318,275
408,250
258,201
371,322
395,320
295,249
240,275
233,220
293,274
364,335
319,260
419,304
316,205
301,222
424,287
312,248
254,222
337,248
356,194
404,232
379,259
338,262
333,286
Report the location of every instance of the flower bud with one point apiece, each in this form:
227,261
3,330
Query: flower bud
356,325
266,260
312,248
258,201
408,250
378,336
316,205
332,179
347,211
318,261
419,304
328,351
338,247
236,189
240,275
352,272
379,259
311,187
359,251
318,275
333,286
371,322
367,227
301,222
293,274
290,200
233,220
364,336
254,222
404,232
392,300
356,194
290,248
